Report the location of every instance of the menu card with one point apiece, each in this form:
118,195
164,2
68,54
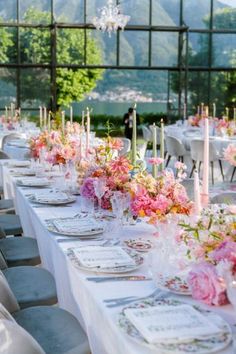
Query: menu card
103,257
174,324
76,225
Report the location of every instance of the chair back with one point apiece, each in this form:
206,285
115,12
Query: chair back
9,137
197,150
4,155
175,147
224,198
141,150
14,338
147,134
188,184
126,146
7,298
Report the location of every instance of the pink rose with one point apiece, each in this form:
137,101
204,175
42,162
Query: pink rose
156,161
226,251
206,285
87,188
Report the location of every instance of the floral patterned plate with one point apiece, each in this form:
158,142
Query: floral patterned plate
175,284
197,346
115,270
140,245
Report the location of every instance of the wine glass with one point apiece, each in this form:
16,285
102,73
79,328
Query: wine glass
99,189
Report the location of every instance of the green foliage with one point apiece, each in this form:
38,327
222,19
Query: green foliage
6,42
72,84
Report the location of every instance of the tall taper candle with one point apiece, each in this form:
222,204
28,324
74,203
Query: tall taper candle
202,109
40,117
197,200
49,121
207,111
71,114
82,121
205,184
45,117
134,137
12,110
154,149
63,122
162,144
214,110
198,110
235,114
87,132
6,112
185,111
227,112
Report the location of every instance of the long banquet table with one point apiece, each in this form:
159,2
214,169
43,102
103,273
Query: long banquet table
75,293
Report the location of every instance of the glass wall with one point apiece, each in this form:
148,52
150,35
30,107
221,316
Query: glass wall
170,52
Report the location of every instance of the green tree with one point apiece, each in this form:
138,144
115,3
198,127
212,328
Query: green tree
35,47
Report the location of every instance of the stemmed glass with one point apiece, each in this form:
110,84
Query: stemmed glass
99,189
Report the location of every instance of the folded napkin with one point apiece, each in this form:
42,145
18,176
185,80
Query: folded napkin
76,225
173,324
33,181
103,257
51,197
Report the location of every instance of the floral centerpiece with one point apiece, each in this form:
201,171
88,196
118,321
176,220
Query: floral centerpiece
210,240
226,127
230,154
156,198
58,147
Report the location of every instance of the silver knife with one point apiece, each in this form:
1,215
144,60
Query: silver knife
119,278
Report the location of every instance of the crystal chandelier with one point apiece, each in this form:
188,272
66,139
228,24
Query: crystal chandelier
110,19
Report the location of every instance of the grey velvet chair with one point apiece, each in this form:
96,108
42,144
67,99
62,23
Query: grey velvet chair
4,155
11,224
56,330
19,251
31,286
7,206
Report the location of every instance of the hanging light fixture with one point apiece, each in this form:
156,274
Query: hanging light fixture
110,19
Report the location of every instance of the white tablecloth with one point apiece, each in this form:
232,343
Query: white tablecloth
75,293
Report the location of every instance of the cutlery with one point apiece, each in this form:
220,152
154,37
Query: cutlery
121,278
51,206
125,301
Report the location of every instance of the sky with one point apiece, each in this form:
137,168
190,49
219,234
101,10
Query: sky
229,2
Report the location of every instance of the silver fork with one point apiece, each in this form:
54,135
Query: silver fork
126,300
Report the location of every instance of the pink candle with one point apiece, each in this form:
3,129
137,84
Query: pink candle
205,184
88,132
197,200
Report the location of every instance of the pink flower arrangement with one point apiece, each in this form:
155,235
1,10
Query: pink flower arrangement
159,197
230,154
206,285
226,127
156,161
115,172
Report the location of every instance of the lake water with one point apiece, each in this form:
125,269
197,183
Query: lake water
118,108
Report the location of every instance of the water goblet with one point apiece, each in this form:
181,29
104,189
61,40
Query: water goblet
99,189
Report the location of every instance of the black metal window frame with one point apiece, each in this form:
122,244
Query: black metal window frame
182,67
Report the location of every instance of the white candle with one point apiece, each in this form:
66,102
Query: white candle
71,114
214,110
45,117
205,185
154,149
81,145
63,122
234,113
202,108
6,111
19,113
227,112
49,122
197,200
12,110
40,117
207,111
82,121
134,137
185,111
162,144
198,110
88,132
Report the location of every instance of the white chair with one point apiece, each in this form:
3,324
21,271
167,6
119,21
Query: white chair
175,148
147,134
197,155
9,137
126,147
224,198
188,184
141,150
